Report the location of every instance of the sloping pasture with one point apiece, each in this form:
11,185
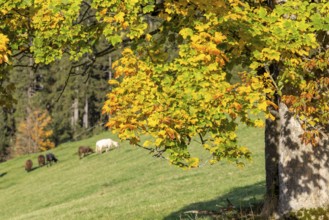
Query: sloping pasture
126,183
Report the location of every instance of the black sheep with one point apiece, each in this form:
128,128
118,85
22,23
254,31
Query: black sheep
51,158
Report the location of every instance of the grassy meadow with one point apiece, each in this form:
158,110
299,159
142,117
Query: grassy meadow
127,183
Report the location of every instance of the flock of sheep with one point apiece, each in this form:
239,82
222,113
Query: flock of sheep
106,144
42,160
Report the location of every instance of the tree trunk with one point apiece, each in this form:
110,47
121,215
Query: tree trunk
110,67
110,76
303,169
75,110
297,175
86,114
28,106
272,132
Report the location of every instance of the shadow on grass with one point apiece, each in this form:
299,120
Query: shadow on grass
3,174
247,199
33,169
86,155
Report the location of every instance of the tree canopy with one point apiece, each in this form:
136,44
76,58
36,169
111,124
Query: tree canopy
191,95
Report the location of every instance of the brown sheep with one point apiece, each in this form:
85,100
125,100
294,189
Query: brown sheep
83,151
41,160
28,165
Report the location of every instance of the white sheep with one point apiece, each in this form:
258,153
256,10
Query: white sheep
105,143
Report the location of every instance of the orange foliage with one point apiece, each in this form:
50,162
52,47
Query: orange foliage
34,134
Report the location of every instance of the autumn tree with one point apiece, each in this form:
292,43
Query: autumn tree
34,136
285,51
173,80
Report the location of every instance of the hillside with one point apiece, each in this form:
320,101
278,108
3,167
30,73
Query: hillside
126,183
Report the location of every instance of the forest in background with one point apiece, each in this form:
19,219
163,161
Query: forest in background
70,93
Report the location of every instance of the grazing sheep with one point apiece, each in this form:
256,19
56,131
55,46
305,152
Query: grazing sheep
105,143
51,158
28,165
83,151
41,160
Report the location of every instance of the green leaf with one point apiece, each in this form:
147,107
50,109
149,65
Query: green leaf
186,32
115,39
262,13
148,8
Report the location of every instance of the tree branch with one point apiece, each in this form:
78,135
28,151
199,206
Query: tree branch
271,77
202,140
19,53
66,82
84,14
155,152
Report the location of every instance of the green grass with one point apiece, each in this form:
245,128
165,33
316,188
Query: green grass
126,183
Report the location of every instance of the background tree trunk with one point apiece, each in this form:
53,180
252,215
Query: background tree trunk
75,111
28,106
86,113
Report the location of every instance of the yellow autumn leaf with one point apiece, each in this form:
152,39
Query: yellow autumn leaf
148,37
270,116
103,12
147,143
186,32
244,149
119,17
127,51
152,122
113,82
271,54
254,65
232,135
259,123
194,121
158,141
262,106
3,49
312,123
244,89
219,37
193,162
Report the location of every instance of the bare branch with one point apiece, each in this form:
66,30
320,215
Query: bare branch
84,14
66,82
273,81
155,152
201,138
21,52
21,65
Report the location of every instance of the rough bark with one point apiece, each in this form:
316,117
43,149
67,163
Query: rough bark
297,175
303,169
272,131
